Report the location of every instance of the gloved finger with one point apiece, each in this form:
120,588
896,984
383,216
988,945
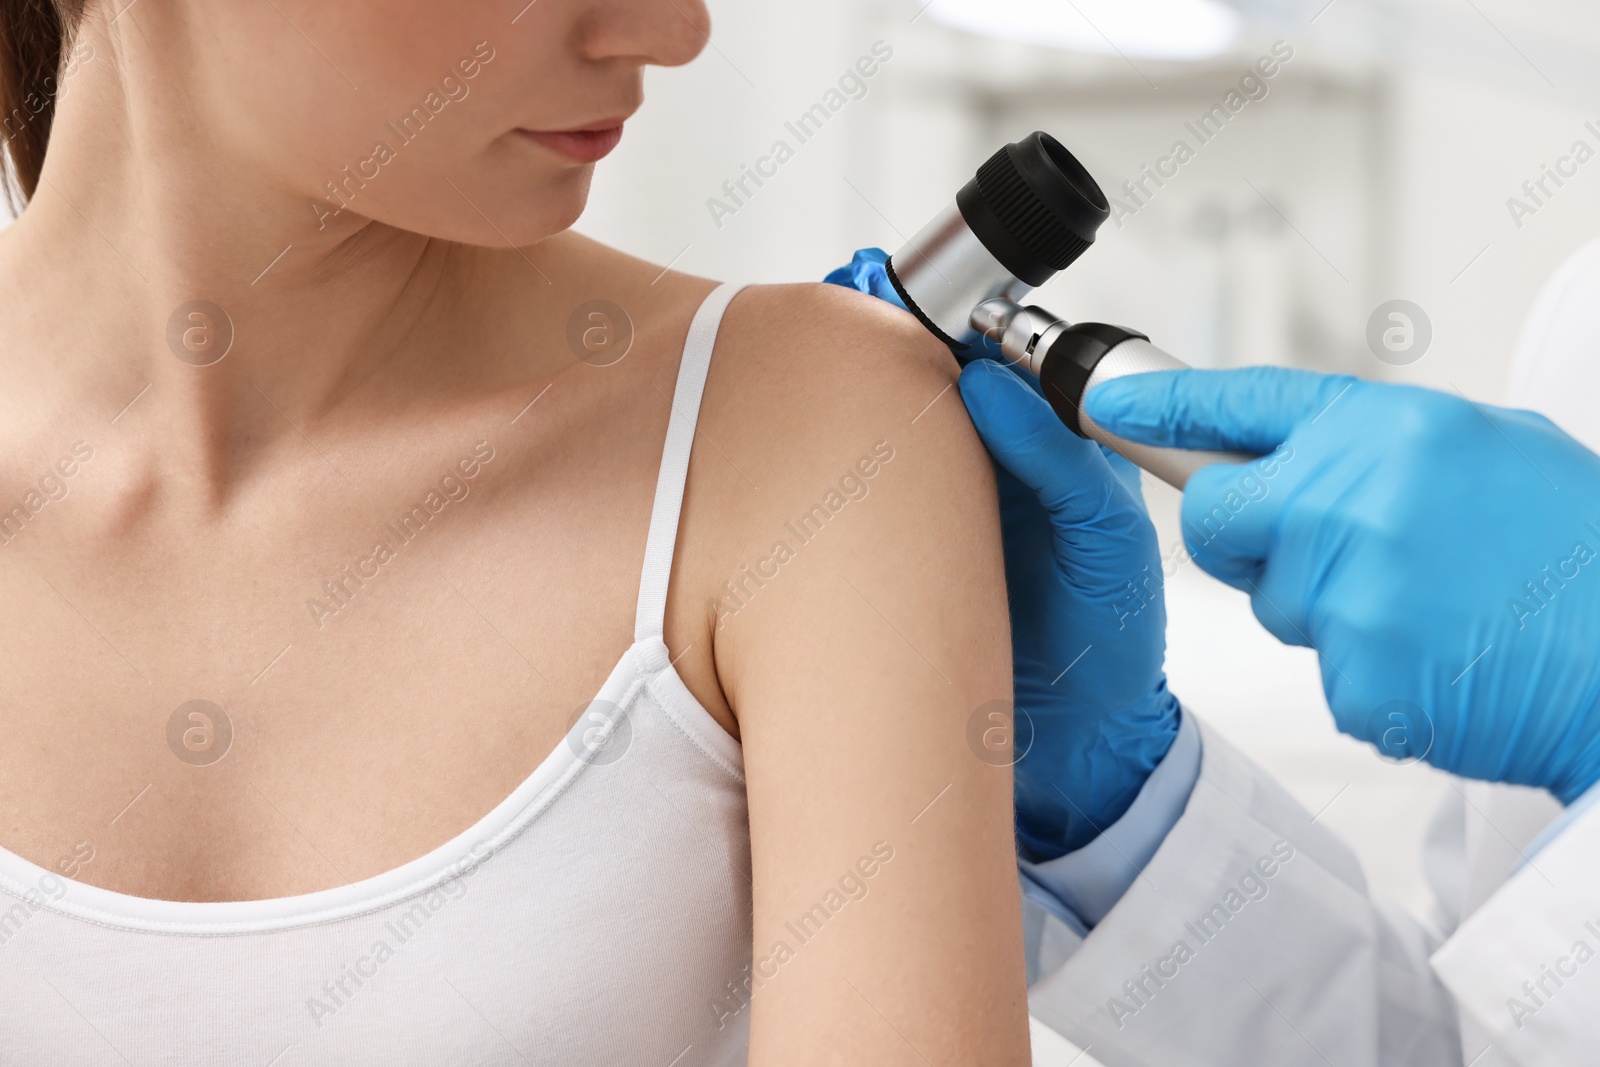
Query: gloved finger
986,347
866,273
1229,519
1253,409
1279,614
1069,475
1127,473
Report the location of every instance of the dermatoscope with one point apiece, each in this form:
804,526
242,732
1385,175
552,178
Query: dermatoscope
1030,211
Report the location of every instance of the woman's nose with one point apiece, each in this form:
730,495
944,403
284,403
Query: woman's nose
666,33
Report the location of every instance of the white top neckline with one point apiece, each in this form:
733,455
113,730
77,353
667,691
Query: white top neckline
644,664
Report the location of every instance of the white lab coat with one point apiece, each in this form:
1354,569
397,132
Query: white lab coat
1251,936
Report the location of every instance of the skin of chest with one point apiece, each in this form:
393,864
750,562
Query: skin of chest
369,649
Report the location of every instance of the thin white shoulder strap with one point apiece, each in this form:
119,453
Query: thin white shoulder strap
658,549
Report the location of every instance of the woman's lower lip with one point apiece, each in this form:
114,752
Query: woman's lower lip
585,146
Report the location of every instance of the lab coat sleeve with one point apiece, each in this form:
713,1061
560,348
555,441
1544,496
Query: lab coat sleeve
1526,965
1090,880
1249,938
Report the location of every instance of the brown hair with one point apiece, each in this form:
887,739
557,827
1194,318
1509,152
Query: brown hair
33,37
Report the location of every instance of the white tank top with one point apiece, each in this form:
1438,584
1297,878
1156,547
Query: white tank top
599,915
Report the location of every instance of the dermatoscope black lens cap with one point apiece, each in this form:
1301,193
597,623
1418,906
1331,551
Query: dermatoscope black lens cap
1034,207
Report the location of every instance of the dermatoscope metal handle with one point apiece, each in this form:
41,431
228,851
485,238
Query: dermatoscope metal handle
1069,360
1031,210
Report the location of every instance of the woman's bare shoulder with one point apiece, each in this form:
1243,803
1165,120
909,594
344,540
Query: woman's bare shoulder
858,616
818,398
795,333
807,377
827,340
819,395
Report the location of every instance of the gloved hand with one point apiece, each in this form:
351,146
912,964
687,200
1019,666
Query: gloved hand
1088,621
1443,557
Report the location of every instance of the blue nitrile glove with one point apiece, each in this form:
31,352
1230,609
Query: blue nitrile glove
1083,570
1443,557
865,273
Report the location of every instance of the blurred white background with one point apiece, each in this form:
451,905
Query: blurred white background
1378,166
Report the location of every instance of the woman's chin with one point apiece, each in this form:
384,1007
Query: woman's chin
526,209
510,212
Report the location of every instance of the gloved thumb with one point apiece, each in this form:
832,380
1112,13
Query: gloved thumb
1253,409
866,273
1229,520
1069,475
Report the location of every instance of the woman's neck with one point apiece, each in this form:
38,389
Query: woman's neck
154,238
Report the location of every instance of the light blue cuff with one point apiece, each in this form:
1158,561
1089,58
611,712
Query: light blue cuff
1574,812
1034,893
1091,880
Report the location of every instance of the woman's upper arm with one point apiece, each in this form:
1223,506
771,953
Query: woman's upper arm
886,911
